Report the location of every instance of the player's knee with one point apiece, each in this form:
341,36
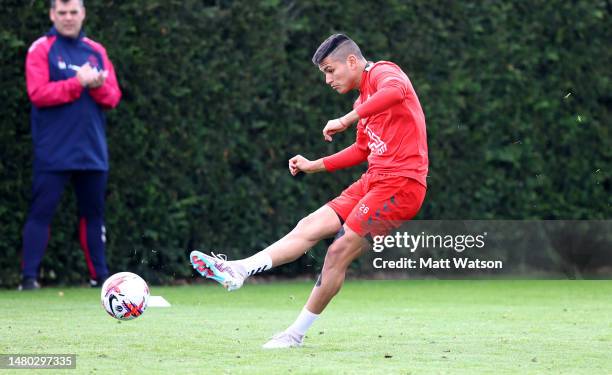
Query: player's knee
337,253
307,221
309,228
302,224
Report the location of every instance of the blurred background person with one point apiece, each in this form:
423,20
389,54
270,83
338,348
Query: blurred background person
70,82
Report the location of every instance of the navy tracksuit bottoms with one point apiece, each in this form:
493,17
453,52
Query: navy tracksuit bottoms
47,189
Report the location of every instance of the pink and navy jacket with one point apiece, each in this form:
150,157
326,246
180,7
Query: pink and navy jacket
68,120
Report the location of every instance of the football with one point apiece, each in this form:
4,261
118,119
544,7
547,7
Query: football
125,296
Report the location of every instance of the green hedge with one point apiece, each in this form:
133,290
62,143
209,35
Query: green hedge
219,94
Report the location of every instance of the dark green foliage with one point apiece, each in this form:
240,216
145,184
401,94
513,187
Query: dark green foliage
219,94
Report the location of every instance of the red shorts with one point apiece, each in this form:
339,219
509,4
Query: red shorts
376,204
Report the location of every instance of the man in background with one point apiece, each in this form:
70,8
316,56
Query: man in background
70,82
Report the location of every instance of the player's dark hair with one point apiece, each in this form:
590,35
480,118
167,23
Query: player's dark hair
65,1
338,46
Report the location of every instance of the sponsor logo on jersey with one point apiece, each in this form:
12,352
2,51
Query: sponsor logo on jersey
376,144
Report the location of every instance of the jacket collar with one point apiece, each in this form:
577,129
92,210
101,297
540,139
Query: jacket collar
53,32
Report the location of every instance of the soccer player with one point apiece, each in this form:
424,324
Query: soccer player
70,82
391,137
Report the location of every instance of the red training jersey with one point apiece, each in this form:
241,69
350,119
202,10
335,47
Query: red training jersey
391,132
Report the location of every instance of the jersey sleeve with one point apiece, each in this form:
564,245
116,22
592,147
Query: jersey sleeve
108,95
391,88
354,154
43,92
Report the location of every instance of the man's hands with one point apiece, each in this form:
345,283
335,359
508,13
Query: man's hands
99,80
339,125
333,127
299,163
90,77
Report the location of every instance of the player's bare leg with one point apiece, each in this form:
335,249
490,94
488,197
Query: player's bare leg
323,223
347,247
340,254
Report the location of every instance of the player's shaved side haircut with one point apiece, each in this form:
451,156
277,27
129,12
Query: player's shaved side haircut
338,46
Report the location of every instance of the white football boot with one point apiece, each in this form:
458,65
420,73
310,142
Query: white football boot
284,340
218,268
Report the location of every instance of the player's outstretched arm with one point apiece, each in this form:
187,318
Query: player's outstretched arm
299,163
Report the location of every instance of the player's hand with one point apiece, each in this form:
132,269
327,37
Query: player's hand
87,74
99,80
299,163
333,127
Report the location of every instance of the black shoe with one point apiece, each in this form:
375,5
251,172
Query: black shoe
29,284
97,282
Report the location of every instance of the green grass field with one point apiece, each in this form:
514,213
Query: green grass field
386,327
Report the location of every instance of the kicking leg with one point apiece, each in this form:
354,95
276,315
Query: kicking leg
323,223
320,224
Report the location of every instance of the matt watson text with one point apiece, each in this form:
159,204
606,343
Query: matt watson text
430,263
